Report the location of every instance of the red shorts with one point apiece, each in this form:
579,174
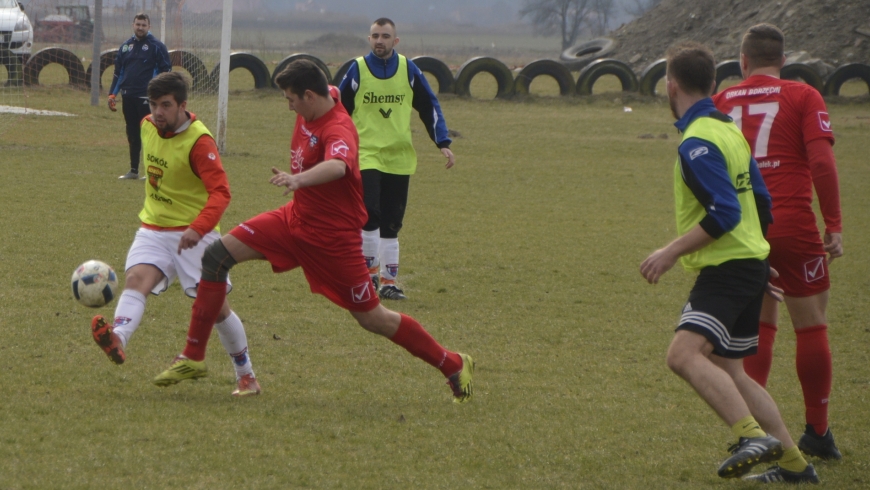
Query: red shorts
802,265
333,263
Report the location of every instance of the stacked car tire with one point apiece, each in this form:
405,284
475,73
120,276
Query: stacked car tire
586,57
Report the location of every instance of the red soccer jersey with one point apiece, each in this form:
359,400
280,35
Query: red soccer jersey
779,118
336,205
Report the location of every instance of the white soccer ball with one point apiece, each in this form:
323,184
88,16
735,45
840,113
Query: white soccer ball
94,284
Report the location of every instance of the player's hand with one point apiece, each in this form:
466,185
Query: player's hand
655,266
112,106
189,239
283,179
773,291
833,245
451,160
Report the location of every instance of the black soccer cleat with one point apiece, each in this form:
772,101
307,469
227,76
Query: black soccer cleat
819,446
777,474
389,291
748,452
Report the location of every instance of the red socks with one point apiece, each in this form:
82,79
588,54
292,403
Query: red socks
758,365
416,340
814,370
210,296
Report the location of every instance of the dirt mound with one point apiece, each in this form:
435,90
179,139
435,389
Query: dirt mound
835,31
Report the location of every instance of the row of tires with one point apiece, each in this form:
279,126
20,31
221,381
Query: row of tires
459,84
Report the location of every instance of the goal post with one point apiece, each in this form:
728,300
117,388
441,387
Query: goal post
224,76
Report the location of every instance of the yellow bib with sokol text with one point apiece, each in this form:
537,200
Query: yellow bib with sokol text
174,195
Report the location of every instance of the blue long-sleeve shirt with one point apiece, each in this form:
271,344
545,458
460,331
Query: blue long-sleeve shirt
424,101
706,174
137,62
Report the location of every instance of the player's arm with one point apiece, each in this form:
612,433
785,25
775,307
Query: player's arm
348,87
164,63
321,173
707,177
116,81
426,104
763,202
205,161
823,168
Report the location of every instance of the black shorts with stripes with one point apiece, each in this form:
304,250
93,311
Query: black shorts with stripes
725,304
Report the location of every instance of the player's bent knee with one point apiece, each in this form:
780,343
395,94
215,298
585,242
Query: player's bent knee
216,262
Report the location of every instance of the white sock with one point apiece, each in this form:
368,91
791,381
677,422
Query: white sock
128,314
389,254
232,335
371,243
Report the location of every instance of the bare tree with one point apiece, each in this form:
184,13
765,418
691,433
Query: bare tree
599,16
564,16
636,8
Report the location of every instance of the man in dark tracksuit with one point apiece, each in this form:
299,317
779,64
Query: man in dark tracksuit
139,60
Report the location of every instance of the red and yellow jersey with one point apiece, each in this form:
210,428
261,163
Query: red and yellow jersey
336,205
779,118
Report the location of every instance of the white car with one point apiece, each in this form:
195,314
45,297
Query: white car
16,33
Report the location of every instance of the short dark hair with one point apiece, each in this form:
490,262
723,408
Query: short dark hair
692,66
169,83
142,16
763,45
384,21
302,75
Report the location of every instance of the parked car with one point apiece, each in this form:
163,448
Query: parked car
16,33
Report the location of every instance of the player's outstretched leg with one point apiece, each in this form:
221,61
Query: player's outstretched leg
403,330
107,340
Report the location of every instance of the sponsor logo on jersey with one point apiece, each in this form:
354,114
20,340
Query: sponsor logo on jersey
373,98
825,121
296,161
814,269
157,160
159,198
340,148
212,156
744,182
362,293
155,177
768,164
696,152
246,228
126,48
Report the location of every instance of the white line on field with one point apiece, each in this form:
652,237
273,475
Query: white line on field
8,109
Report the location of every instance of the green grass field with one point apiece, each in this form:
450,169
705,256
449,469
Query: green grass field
524,255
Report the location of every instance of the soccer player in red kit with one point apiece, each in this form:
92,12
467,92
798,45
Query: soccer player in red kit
319,231
788,128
